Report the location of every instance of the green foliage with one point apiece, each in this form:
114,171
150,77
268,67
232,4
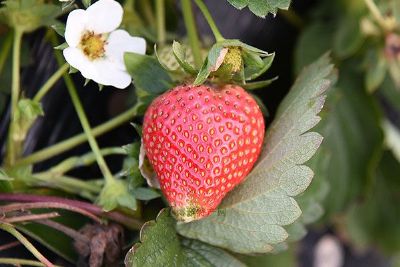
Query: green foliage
28,15
348,38
183,57
133,175
116,194
352,122
261,8
252,217
375,220
27,113
144,69
160,246
283,259
247,64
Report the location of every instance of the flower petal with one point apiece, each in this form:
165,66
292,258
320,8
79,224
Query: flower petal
76,58
109,74
104,16
76,23
120,42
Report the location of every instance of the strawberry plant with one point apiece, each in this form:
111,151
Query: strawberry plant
200,164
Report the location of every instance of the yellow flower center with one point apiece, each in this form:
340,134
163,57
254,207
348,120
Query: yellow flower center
93,45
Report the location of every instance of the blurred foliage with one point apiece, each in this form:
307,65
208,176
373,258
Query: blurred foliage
363,180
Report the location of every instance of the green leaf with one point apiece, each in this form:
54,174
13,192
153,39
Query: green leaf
143,69
143,193
4,176
311,200
59,28
348,38
116,194
226,57
209,64
313,42
28,15
25,115
375,221
160,246
283,259
261,8
181,56
376,70
353,139
86,3
252,217
255,66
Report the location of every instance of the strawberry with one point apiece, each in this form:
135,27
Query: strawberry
202,141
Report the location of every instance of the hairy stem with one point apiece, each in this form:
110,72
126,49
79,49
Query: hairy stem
161,32
79,161
78,139
109,178
51,82
15,92
31,217
203,8
28,245
191,29
116,216
47,205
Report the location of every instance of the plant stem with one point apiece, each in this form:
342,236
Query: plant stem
148,12
48,205
10,229
9,245
68,184
84,160
203,8
116,216
109,178
15,91
191,29
50,82
160,10
31,217
75,235
377,14
21,262
77,139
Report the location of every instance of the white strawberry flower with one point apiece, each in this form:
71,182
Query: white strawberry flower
96,47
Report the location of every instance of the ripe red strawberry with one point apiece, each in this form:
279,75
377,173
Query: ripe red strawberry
202,141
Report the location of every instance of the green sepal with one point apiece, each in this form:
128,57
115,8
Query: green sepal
181,57
59,28
115,194
61,46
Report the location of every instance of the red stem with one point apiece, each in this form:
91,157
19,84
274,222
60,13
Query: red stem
131,223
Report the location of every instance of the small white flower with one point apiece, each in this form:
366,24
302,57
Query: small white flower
96,48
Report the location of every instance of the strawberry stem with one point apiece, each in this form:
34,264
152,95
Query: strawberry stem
51,82
191,29
11,230
203,8
160,10
15,92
